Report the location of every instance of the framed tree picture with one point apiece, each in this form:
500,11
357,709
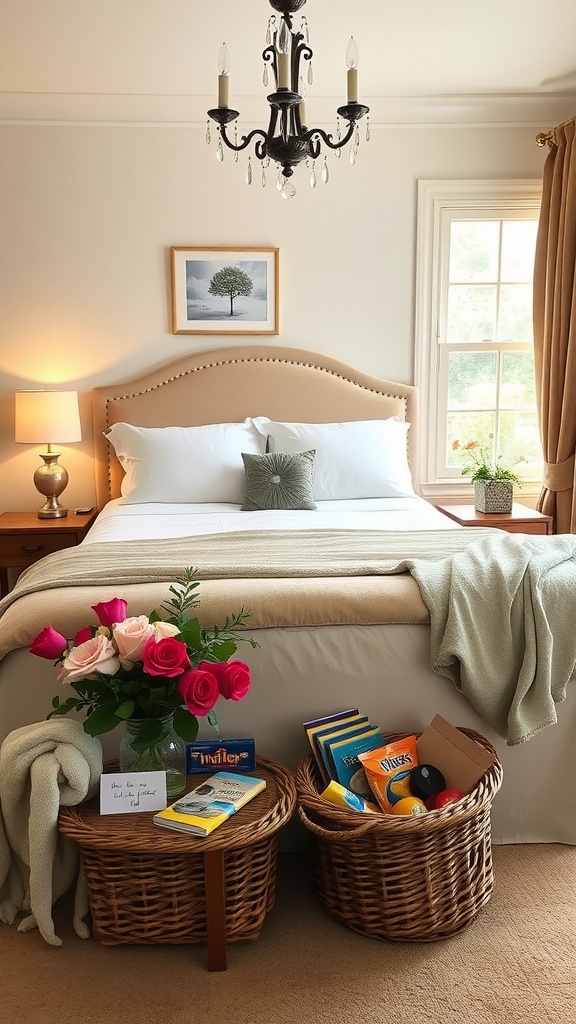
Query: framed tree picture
224,290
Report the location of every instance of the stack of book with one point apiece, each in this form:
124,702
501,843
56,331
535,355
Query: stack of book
336,742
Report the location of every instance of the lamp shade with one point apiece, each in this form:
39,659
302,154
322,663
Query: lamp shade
46,417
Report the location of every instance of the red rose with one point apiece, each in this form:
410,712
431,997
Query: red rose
49,644
199,689
82,636
233,678
111,612
166,657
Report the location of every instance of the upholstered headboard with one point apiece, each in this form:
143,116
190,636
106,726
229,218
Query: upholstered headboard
226,385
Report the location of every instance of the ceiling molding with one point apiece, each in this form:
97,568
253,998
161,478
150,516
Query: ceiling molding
541,111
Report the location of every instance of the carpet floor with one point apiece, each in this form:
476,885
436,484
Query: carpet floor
516,964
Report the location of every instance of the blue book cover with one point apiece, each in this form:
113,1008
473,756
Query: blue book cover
317,734
347,765
325,739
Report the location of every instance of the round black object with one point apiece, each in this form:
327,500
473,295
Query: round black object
425,780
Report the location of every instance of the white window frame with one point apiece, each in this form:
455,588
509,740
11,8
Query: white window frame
436,199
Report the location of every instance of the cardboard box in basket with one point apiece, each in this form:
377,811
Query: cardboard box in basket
461,760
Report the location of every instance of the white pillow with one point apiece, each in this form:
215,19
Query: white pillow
184,464
355,459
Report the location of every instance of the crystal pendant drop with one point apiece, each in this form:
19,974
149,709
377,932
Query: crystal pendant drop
304,30
263,179
288,190
236,141
266,163
208,135
352,154
325,172
310,75
357,137
265,76
313,175
280,180
249,172
367,129
338,152
271,29
219,151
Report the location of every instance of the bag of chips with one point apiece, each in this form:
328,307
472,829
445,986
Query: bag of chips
388,768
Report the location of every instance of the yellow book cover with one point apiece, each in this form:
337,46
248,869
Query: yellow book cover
210,804
340,720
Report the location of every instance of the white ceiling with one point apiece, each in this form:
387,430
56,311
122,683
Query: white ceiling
447,51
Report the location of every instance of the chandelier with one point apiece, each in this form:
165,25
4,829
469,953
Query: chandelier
288,140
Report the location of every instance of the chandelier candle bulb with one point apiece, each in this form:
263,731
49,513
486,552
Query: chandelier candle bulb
283,71
223,79
352,58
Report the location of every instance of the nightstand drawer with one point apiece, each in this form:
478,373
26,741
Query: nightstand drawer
19,550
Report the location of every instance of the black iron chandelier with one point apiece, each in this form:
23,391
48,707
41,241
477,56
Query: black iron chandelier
288,141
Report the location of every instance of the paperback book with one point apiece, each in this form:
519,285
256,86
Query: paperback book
210,804
345,754
339,720
326,739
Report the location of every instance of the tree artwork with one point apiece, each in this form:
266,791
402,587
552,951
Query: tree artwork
230,282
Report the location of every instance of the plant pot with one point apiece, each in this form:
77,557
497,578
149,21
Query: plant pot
493,495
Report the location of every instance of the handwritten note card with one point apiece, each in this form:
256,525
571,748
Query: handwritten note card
128,792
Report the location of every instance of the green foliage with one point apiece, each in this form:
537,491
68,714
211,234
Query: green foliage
230,282
482,465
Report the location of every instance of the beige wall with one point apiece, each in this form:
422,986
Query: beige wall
87,216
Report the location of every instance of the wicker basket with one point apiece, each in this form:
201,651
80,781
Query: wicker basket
408,879
147,884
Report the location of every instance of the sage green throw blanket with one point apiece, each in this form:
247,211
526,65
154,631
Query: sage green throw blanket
502,606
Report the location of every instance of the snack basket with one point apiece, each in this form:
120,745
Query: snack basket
407,879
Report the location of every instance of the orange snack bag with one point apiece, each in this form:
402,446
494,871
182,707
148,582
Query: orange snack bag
388,768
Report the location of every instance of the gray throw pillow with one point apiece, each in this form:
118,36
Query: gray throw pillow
280,480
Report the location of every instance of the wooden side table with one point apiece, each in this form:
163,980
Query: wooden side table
147,884
520,520
24,538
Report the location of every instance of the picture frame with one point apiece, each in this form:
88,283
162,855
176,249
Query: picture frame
225,289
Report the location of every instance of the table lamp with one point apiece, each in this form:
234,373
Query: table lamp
48,417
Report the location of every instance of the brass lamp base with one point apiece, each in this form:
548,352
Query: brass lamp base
50,480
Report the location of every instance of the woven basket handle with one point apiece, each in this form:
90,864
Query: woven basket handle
334,836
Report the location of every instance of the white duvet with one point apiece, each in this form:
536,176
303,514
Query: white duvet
120,520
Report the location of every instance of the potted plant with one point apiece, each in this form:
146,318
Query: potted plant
493,483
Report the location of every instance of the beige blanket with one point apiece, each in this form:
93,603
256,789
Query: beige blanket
42,767
313,578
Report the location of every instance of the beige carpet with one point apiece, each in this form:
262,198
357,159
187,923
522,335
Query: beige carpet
516,964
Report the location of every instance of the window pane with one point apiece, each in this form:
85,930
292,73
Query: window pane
465,427
517,388
474,251
520,441
472,380
471,313
518,248
515,313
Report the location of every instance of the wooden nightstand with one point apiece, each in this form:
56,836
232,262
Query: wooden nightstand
520,520
24,538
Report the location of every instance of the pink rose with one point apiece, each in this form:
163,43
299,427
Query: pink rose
111,612
233,678
95,655
199,689
166,657
130,637
82,636
49,644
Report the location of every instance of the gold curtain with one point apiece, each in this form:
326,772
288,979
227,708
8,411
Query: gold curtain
555,327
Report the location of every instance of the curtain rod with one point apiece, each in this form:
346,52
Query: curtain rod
543,137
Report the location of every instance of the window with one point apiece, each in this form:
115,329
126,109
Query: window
474,339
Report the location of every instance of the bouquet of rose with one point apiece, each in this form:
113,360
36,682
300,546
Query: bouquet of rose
144,667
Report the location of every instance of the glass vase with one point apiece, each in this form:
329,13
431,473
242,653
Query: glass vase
168,754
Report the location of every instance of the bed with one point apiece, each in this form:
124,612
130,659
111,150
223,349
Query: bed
329,635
